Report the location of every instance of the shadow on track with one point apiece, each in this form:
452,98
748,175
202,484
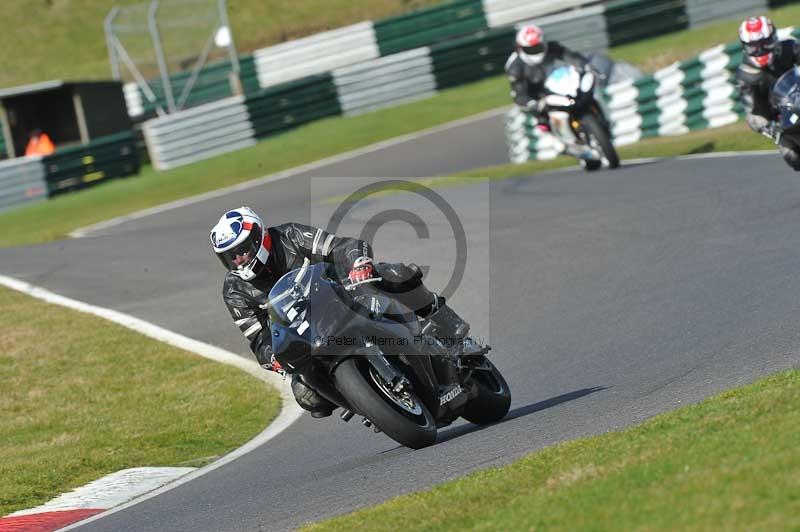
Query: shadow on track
520,411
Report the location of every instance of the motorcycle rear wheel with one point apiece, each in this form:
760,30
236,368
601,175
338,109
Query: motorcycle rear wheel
404,419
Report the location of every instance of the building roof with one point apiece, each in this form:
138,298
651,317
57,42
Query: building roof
48,85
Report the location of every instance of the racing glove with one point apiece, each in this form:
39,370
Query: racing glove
362,270
275,366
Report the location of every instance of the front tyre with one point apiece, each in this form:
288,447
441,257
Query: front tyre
493,399
600,138
403,417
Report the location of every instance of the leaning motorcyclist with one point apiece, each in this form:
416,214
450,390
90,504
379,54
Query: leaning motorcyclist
765,59
257,256
529,65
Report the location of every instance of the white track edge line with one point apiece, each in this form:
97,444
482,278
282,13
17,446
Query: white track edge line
288,414
86,231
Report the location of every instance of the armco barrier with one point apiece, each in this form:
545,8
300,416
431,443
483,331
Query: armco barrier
386,81
21,180
428,26
198,133
695,94
702,12
316,54
505,12
471,58
585,25
633,20
583,29
291,104
213,82
104,158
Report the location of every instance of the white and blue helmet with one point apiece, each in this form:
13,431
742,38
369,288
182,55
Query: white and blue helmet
241,242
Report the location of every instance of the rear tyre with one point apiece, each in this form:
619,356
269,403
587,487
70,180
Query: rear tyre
493,400
600,138
404,419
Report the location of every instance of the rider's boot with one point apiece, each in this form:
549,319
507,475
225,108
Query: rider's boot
309,399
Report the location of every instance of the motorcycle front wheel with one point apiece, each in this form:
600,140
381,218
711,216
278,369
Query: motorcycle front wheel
401,416
600,139
493,399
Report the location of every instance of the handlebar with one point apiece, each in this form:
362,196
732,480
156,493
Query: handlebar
352,286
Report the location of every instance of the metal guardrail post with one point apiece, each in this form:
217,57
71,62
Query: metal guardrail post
162,63
234,56
112,52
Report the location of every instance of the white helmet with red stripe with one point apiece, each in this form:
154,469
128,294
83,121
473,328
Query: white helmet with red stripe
242,243
759,40
531,46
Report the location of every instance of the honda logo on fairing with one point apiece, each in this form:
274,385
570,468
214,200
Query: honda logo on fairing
449,396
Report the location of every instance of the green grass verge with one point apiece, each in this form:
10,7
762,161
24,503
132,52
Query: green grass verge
735,137
64,39
82,398
728,463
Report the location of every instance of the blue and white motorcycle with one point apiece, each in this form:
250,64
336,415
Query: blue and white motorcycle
577,122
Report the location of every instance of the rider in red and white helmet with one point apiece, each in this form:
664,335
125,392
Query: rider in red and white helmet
759,41
529,64
765,59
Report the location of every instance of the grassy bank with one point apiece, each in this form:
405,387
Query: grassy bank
83,397
729,463
64,39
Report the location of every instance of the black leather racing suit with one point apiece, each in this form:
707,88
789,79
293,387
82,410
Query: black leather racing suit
755,86
527,81
292,243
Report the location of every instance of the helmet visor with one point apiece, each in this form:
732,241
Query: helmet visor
536,49
243,255
760,48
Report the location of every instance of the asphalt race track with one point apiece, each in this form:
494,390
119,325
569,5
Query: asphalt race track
611,297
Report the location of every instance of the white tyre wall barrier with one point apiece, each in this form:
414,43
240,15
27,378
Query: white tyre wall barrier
386,81
316,54
199,133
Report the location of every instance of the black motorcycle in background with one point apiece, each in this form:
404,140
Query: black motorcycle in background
785,97
363,351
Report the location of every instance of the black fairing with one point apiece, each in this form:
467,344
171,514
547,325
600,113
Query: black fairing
785,97
312,315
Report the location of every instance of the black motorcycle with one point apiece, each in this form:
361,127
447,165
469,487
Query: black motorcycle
365,352
785,97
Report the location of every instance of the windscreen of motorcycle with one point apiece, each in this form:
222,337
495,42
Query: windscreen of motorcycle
786,96
564,80
288,298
